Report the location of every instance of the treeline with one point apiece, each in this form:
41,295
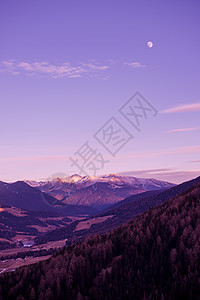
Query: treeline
155,256
6,245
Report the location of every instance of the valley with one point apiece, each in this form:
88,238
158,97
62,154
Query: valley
147,251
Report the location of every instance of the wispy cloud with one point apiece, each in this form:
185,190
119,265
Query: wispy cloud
194,161
183,129
147,172
34,158
182,108
135,64
162,152
172,175
64,69
51,70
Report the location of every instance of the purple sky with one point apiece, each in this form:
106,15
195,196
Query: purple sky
66,67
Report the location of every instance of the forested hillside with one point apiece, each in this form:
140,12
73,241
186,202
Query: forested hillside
155,256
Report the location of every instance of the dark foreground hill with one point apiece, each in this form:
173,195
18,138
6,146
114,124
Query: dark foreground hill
155,256
150,198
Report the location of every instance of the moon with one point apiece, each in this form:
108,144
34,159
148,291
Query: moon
150,44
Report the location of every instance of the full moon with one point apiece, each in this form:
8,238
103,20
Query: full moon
150,44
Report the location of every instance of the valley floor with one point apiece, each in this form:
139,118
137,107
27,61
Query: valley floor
11,265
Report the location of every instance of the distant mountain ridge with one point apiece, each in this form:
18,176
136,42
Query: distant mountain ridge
98,192
122,212
21,195
117,179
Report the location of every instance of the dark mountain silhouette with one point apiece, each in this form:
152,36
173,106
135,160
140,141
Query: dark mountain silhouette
22,195
137,204
155,256
132,198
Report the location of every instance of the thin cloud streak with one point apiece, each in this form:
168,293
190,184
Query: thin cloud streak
183,130
182,108
34,158
135,64
145,172
172,175
181,150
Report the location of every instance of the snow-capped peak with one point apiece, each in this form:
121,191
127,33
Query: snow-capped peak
72,179
116,180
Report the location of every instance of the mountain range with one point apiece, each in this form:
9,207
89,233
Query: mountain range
116,214
97,192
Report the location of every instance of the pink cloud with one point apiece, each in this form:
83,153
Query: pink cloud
173,151
183,108
95,67
53,70
183,129
135,64
34,158
172,175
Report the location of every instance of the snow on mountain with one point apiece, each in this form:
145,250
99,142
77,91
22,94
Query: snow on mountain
82,181
96,191
71,179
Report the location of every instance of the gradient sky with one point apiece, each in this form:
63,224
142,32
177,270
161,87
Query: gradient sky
66,67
